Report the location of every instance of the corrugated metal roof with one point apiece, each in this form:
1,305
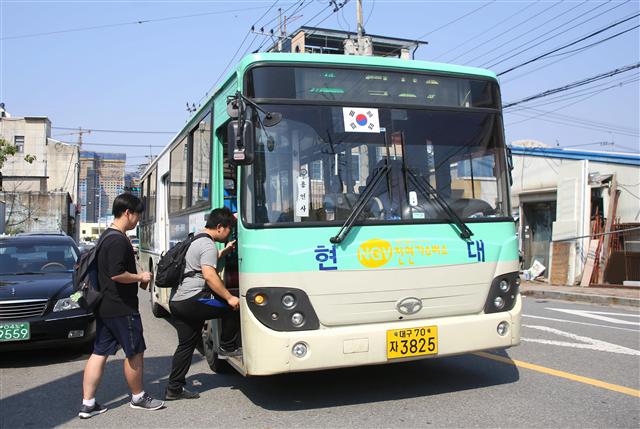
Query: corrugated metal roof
606,157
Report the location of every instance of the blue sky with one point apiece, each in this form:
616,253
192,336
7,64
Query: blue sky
124,76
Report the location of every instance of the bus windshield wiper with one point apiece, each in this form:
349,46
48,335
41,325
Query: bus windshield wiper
426,189
359,205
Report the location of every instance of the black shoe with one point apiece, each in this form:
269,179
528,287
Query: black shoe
170,395
222,351
88,412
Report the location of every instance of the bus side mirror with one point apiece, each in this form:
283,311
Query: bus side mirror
240,144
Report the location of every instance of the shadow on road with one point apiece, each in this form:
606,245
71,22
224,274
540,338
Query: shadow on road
57,402
368,384
300,391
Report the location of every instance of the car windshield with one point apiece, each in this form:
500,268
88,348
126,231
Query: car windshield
32,257
315,164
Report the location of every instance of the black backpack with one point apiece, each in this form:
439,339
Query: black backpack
85,276
170,270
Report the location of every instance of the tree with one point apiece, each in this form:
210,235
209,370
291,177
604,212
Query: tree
7,150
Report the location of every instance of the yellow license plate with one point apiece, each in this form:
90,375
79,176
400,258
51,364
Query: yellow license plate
410,342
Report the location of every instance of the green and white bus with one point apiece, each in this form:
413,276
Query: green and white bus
374,219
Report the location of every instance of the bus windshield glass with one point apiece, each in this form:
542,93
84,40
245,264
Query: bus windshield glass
313,166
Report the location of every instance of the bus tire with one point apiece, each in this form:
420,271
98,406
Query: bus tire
217,365
158,311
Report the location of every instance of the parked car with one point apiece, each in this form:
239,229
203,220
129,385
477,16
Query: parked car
35,284
85,246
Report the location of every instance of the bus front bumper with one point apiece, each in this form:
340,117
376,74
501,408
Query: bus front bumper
269,352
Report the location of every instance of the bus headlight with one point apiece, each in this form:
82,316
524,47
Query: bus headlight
503,293
282,309
297,319
288,300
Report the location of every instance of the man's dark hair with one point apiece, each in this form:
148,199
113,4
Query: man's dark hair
124,202
222,216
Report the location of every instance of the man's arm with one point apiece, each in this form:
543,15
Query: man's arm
230,247
128,277
217,286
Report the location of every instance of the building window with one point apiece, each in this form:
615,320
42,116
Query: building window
18,141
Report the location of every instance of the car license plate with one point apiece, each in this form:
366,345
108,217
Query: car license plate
16,331
410,342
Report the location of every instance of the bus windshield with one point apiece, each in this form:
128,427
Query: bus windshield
316,163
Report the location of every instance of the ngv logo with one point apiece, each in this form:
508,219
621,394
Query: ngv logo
375,253
409,305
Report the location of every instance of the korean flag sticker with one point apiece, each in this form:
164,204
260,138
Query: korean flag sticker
360,120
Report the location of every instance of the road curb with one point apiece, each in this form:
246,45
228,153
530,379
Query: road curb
582,297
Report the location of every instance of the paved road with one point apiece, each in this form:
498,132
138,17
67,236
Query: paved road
594,350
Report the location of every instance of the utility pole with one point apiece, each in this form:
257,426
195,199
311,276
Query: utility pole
78,205
363,45
359,17
280,32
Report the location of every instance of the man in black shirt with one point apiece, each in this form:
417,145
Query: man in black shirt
118,323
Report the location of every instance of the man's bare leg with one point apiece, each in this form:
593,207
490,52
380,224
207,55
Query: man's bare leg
93,371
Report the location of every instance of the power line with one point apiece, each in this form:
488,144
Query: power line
116,145
594,127
483,32
235,54
393,52
569,124
457,19
584,48
507,31
138,22
574,84
93,130
336,9
568,44
584,92
563,56
501,57
576,120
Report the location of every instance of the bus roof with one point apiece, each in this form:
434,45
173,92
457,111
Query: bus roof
382,62
329,60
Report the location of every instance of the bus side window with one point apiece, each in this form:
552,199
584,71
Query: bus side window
230,200
228,174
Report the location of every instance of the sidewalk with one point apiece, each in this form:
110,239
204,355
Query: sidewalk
623,295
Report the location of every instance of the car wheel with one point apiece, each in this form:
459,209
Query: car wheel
217,365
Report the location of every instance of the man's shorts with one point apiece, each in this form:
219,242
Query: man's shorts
123,332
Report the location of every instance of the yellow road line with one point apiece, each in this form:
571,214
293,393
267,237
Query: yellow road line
562,374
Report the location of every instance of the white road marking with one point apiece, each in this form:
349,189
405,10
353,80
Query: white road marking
600,315
584,342
579,323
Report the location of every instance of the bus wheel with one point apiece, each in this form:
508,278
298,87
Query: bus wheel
217,365
158,310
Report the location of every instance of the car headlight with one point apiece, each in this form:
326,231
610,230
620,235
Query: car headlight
65,304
